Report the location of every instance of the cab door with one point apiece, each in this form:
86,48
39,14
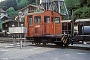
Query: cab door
57,26
37,26
30,27
48,25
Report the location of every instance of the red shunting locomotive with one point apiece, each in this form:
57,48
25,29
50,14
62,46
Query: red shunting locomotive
44,27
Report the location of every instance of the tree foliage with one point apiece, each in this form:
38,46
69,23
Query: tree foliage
22,3
11,6
11,12
81,8
17,4
88,3
9,3
72,4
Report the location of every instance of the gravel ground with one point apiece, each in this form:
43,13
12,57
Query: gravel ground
48,52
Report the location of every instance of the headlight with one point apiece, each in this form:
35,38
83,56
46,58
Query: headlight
8,32
3,31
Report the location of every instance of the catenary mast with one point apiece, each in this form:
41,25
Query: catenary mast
55,5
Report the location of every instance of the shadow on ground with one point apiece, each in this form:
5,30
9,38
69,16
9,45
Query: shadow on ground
69,47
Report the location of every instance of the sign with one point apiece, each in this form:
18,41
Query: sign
16,17
17,30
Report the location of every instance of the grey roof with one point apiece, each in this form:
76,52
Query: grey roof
35,6
1,10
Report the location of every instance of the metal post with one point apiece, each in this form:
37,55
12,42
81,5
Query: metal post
18,26
20,42
21,37
59,7
19,15
24,41
14,40
72,33
83,28
83,35
46,5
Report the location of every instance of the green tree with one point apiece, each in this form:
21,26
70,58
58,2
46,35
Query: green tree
83,3
11,12
72,5
17,4
34,2
83,12
88,3
81,8
9,3
22,3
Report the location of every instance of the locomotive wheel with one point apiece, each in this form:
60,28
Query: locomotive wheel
32,42
59,44
37,43
44,43
66,45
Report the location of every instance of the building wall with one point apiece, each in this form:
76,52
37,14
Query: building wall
24,12
2,14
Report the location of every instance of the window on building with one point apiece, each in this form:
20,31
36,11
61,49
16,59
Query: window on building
4,13
46,19
22,19
37,19
57,20
30,20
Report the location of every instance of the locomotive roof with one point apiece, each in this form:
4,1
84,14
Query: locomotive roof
66,21
35,13
78,20
82,20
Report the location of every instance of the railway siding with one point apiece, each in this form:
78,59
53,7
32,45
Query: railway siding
8,39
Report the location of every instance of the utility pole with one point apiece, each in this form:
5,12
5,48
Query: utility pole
72,25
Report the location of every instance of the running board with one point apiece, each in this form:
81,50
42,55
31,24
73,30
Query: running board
57,41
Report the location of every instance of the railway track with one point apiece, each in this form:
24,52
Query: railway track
9,39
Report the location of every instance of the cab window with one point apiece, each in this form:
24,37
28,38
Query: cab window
37,19
30,20
46,19
57,20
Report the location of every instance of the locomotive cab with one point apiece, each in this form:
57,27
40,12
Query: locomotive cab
43,27
43,23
